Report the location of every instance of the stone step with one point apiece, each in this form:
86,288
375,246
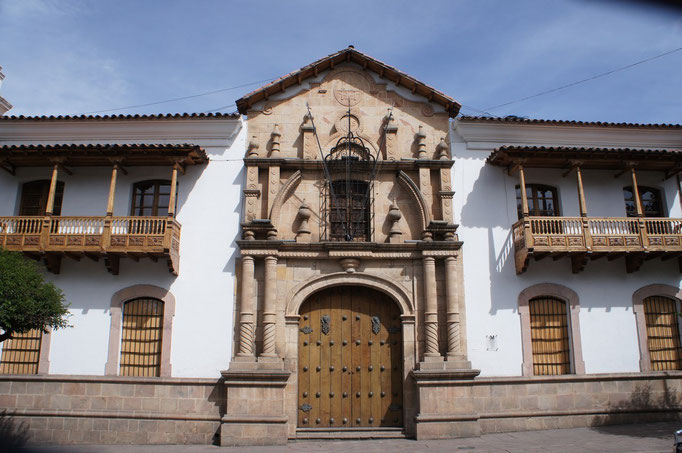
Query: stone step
349,433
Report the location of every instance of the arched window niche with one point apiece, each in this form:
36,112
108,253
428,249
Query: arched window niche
135,294
531,317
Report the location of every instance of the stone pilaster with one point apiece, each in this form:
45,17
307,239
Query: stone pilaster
431,353
269,307
456,355
247,312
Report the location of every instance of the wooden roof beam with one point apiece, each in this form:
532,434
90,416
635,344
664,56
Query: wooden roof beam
676,170
573,165
515,166
8,167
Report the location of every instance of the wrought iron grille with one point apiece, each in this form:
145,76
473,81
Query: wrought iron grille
347,204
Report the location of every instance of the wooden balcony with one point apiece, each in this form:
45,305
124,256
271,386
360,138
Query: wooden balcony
585,238
108,237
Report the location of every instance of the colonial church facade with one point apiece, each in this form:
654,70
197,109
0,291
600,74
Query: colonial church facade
343,258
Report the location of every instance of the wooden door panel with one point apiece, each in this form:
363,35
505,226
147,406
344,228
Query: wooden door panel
350,360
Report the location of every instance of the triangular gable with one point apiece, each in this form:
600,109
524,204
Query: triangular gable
349,55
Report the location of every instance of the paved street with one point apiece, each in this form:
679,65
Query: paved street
643,438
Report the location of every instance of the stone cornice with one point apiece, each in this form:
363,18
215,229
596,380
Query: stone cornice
337,250
308,164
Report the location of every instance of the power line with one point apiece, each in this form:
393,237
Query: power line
182,98
584,80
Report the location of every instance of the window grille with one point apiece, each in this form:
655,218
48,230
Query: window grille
549,336
142,337
663,333
21,353
347,201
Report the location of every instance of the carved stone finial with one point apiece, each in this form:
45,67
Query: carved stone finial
394,215
307,123
275,135
421,142
303,233
442,149
349,264
253,147
390,121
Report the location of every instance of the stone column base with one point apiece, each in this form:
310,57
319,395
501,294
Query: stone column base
255,413
444,412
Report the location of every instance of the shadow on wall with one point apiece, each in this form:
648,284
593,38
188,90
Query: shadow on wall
231,262
480,212
642,406
219,398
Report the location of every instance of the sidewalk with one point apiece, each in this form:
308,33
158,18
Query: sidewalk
643,438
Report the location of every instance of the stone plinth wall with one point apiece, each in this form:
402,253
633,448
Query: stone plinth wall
115,410
494,405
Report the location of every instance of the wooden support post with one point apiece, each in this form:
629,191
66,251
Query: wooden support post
582,207
112,191
581,193
49,208
524,196
641,223
173,190
106,231
635,193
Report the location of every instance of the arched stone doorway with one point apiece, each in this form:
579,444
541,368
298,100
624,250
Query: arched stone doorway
350,360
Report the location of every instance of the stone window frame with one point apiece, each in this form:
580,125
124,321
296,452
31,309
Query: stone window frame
135,292
657,289
44,354
566,295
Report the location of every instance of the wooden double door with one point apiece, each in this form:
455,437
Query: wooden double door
350,360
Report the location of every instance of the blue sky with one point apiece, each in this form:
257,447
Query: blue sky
77,56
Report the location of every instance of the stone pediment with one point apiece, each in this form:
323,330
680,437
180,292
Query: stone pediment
349,55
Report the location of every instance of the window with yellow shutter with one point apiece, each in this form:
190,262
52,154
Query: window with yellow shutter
141,337
663,333
549,336
21,353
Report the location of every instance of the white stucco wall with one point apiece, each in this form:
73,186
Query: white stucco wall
209,199
485,209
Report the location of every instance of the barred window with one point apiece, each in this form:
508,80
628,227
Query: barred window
349,215
663,333
549,336
21,353
142,337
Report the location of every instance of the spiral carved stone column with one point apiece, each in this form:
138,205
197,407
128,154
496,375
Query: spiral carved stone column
430,309
452,306
269,316
246,324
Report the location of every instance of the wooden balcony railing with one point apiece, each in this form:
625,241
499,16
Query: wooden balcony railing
584,238
107,236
